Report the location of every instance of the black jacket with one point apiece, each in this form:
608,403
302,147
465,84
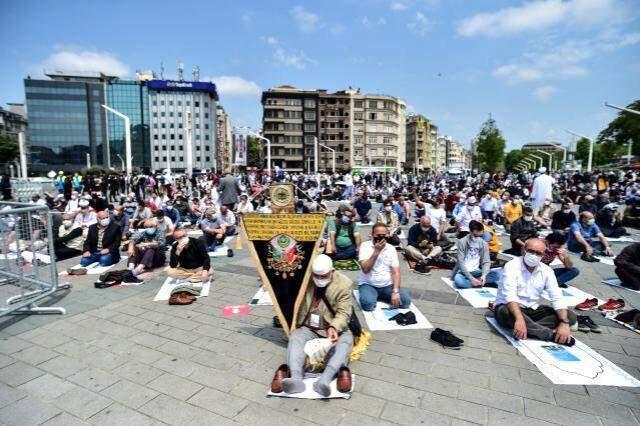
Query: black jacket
192,256
522,230
110,239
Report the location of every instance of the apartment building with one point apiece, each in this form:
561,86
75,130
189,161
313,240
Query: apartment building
224,145
334,130
455,155
421,136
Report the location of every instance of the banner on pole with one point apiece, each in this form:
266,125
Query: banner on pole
240,149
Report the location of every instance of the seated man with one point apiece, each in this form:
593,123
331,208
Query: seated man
102,243
391,220
631,217
610,222
69,240
324,312
345,235
470,212
227,221
523,281
146,249
628,266
422,244
563,218
165,226
512,212
172,212
473,268
188,258
582,234
213,232
362,207
380,272
85,217
554,249
521,230
120,217
544,215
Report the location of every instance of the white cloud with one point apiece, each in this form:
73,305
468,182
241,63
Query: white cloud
397,6
297,60
83,60
337,29
271,40
419,24
544,93
370,23
305,20
543,14
233,86
246,18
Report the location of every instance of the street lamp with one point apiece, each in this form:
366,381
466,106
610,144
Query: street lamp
537,158
590,148
23,155
333,154
632,111
127,135
315,155
550,157
257,134
122,160
529,162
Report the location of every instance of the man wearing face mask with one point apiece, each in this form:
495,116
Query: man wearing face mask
69,240
324,312
72,205
86,217
171,212
188,258
362,206
562,219
102,243
146,249
345,235
421,244
473,268
517,307
521,230
119,217
470,212
582,238
512,212
391,219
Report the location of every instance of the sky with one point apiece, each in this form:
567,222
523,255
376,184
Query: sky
538,67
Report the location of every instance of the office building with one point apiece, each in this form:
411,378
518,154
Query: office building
224,142
455,155
172,104
67,125
12,123
420,135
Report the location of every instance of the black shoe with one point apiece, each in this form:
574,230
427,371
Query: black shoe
276,322
104,284
229,253
421,269
446,339
490,285
448,333
589,258
585,323
563,285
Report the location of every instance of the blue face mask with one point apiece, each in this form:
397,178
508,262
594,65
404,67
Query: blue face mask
345,219
150,231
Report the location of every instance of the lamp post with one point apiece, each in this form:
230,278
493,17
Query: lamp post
187,126
127,136
333,155
315,155
529,162
630,146
23,155
590,148
632,111
122,160
550,157
537,158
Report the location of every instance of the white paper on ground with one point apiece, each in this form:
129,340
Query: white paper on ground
8,256
170,283
573,295
623,239
221,250
378,319
28,256
607,260
261,298
477,297
563,365
614,282
195,233
95,268
309,393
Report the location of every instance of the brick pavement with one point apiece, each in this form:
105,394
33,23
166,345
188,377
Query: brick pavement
117,357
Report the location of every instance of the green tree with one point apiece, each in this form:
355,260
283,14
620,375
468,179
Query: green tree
582,150
9,149
490,147
512,158
625,127
253,152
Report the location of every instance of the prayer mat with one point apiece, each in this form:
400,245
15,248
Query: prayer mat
615,282
309,379
378,319
170,283
346,265
222,250
573,296
478,297
623,239
606,260
611,316
94,268
564,365
42,258
261,298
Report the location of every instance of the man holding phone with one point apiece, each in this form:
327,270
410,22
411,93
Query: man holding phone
380,272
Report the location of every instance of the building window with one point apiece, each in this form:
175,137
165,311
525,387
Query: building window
208,159
358,116
170,113
371,139
163,125
197,105
357,140
198,148
173,158
181,158
309,103
170,103
162,114
156,148
206,126
161,103
206,105
206,148
372,116
357,104
155,103
172,136
206,138
373,104
198,159
155,137
171,125
164,159
164,147
179,103
157,159
180,137
206,115
155,114
173,148
310,115
386,139
164,136
188,103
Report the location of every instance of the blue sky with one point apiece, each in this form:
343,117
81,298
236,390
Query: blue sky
539,67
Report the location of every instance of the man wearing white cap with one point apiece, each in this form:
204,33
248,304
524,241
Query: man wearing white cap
324,312
542,187
468,213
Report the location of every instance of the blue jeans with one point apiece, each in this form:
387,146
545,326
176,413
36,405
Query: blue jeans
461,281
564,275
597,246
369,295
344,253
104,259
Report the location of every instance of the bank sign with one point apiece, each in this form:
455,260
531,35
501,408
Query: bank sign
185,86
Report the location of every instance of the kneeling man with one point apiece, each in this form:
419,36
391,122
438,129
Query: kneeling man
523,281
324,312
188,259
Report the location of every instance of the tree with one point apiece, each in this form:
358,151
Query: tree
490,147
624,127
582,150
512,159
253,152
9,149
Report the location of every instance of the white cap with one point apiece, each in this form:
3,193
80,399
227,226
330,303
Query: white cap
471,200
83,203
542,169
322,265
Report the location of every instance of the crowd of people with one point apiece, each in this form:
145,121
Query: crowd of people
447,221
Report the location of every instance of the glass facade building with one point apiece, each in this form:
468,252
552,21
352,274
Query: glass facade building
131,99
66,122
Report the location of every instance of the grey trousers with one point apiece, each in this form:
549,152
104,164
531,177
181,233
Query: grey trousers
337,357
540,321
419,255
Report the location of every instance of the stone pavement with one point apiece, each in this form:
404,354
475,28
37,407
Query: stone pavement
117,357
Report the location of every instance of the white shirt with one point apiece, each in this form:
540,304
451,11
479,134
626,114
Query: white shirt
380,273
465,216
228,219
87,219
519,285
437,217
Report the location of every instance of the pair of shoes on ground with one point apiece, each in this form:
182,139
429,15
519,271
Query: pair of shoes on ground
446,339
407,318
282,382
422,269
609,306
586,324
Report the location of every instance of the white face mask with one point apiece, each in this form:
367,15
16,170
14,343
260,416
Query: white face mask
184,240
532,260
321,283
528,218
67,223
566,211
388,208
104,222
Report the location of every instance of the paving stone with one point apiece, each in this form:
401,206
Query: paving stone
9,394
93,379
258,414
63,366
401,414
117,414
555,414
175,386
460,376
28,411
499,400
526,390
47,387
173,411
619,414
455,408
34,355
390,391
129,393
219,402
349,418
361,403
82,403
502,418
615,395
12,344
19,373
64,419
138,373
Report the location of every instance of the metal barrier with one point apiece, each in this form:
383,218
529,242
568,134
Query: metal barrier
23,189
28,270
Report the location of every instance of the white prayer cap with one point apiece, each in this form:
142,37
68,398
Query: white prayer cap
471,200
322,265
542,169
